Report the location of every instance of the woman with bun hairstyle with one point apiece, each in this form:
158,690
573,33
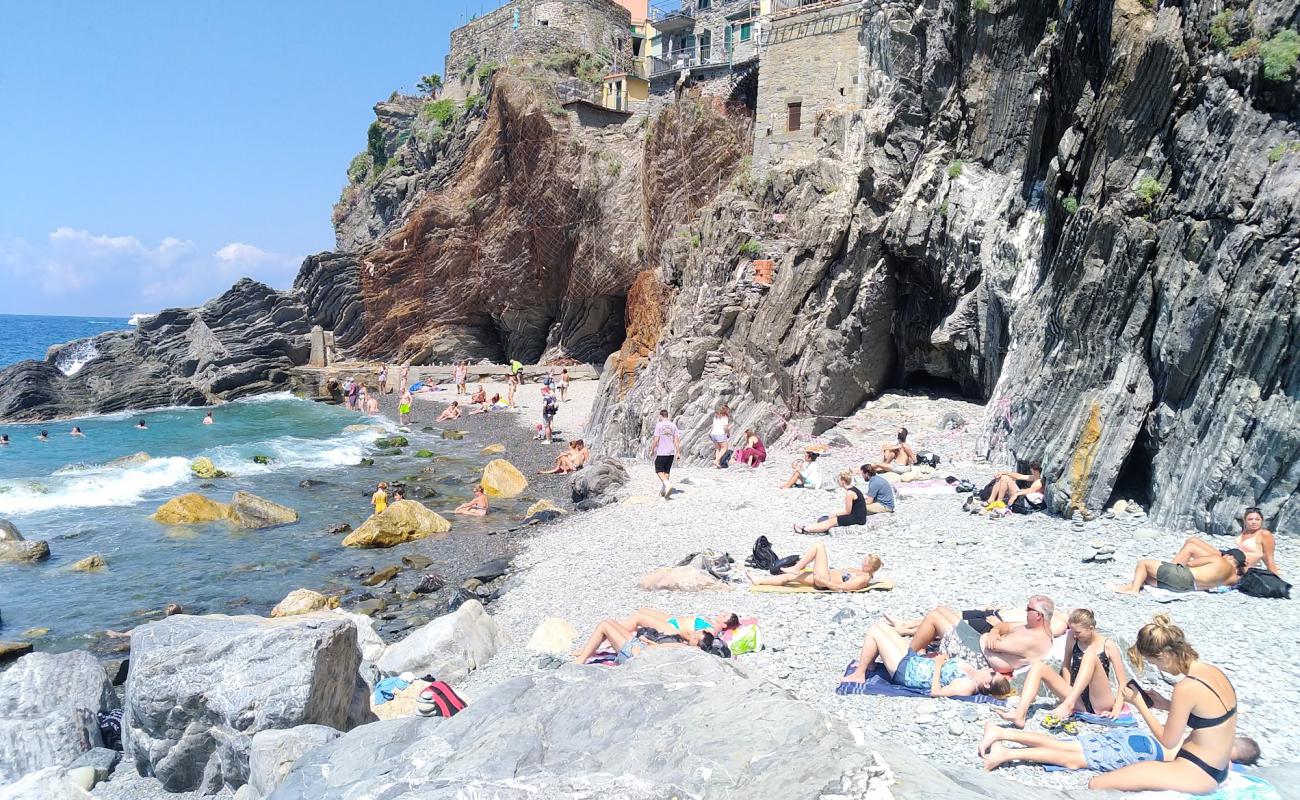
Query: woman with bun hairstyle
1203,702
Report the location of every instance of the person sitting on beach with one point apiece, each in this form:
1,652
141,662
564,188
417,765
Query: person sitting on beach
380,498
1084,680
1255,541
754,453
404,407
1007,486
75,432
486,405
1204,702
983,620
1006,647
942,676
854,513
207,419
479,396
1221,569
806,475
477,507
450,412
880,492
898,451
814,569
141,425
720,433
1104,751
571,460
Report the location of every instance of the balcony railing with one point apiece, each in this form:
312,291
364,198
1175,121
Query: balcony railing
715,56
782,7
673,17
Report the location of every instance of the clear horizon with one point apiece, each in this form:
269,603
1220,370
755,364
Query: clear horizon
155,154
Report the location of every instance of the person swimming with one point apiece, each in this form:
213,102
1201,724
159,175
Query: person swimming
43,436
75,431
207,419
4,439
141,425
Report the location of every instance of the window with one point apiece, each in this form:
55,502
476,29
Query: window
726,39
746,31
792,113
706,48
702,4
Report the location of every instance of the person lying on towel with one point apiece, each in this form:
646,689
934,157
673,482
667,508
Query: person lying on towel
940,676
814,570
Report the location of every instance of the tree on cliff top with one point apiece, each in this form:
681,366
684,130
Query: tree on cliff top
429,84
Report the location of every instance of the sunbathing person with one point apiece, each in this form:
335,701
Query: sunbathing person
1222,569
1006,647
571,460
1204,702
627,644
806,475
450,412
1105,751
690,629
983,620
814,570
487,405
1008,486
1084,680
941,676
477,507
853,513
1255,541
898,451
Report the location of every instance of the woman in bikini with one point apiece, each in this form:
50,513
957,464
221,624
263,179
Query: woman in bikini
477,507
1204,703
814,570
570,460
1255,541
1084,681
650,626
854,513
941,676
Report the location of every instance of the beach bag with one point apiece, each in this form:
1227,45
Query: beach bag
711,561
745,639
1023,505
763,556
725,461
715,645
927,458
1258,582
985,493
964,486
445,702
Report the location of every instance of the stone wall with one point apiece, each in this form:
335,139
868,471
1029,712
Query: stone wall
813,59
527,27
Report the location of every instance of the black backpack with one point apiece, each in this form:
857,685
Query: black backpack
1259,582
987,492
927,459
763,556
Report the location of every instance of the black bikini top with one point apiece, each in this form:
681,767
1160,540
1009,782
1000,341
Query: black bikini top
1196,723
1077,656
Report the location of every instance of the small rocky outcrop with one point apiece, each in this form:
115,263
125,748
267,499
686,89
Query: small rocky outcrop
48,708
680,579
202,467
190,509
303,601
403,521
450,646
503,479
543,505
92,563
15,548
250,511
595,485
201,687
51,783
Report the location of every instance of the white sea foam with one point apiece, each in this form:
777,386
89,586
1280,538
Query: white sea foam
72,358
137,318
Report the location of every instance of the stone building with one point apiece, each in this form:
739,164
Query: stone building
710,38
523,27
812,64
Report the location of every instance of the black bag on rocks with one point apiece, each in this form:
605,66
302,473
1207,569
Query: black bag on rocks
987,492
763,556
1259,582
926,458
725,461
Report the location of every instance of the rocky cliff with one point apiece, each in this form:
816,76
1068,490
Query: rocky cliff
1087,217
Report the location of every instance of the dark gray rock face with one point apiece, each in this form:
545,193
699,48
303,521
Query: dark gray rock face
1085,219
48,707
594,485
200,688
566,733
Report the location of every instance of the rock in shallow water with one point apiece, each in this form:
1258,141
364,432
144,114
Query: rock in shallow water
303,601
403,521
253,512
190,508
13,547
503,479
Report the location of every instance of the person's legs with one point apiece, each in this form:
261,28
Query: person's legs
996,733
1062,754
820,527
1003,488
888,452
877,508
814,556
1144,573
909,455
606,631
866,658
1039,673
1179,775
933,627
905,627
783,579
1194,548
891,647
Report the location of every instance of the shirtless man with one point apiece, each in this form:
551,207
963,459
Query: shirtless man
450,412
983,620
1221,569
1255,541
1006,647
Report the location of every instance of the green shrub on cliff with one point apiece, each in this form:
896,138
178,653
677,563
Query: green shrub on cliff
750,249
1247,49
360,167
486,71
1221,30
1148,189
1070,204
980,5
955,168
1279,55
474,103
440,111
1279,152
375,143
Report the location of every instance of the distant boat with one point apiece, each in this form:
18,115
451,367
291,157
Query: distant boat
136,319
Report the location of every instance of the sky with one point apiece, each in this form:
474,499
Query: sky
153,153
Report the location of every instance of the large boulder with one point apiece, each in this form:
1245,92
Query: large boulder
189,509
48,711
449,647
303,601
275,751
51,783
595,485
201,687
13,547
503,479
403,521
250,511
368,641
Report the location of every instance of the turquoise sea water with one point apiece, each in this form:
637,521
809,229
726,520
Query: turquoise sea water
23,336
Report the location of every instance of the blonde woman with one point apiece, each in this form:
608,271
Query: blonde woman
814,569
720,433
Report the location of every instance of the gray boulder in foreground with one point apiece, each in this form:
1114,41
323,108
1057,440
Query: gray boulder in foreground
201,687
274,753
51,783
48,707
671,722
594,485
450,647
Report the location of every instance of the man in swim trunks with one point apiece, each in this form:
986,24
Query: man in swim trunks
1105,751
1224,569
1255,541
1006,646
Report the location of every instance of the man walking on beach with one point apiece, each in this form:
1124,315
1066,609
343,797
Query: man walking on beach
549,408
664,447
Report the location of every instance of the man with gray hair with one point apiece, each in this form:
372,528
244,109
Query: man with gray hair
1005,647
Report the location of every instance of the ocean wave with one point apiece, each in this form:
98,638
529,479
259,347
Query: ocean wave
137,318
293,452
73,357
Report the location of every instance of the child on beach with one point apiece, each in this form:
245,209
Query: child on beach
380,498
404,407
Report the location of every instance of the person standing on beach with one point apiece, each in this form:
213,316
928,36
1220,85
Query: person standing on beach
383,379
380,498
720,433
516,368
512,383
549,408
563,385
458,375
402,375
664,447
404,407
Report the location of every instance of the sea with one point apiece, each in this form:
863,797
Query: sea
68,491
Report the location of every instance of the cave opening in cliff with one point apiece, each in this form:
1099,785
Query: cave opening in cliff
936,385
1135,476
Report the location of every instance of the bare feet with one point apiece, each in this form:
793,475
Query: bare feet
992,733
856,676
997,755
1011,715
1124,590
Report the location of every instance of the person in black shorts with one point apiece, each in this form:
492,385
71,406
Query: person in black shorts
664,447
855,509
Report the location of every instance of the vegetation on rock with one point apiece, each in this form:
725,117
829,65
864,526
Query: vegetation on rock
955,168
1279,55
1148,189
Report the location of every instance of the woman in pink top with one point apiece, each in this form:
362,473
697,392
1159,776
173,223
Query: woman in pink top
754,453
664,447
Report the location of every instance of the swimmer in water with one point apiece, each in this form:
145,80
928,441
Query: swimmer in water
43,436
76,431
208,420
141,426
4,439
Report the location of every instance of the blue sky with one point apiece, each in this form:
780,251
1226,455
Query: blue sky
153,153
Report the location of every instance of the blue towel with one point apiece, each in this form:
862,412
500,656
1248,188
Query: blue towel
387,689
1124,720
878,683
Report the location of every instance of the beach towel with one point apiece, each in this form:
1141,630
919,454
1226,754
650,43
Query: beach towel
1237,786
1165,596
878,683
875,586
1126,719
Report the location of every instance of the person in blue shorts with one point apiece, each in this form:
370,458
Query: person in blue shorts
1105,751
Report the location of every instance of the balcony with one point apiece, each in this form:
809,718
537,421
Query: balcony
782,8
688,58
673,20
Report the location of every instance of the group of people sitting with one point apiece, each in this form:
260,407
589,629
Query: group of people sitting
990,651
574,458
858,505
